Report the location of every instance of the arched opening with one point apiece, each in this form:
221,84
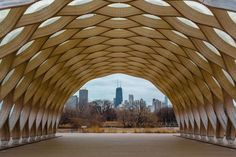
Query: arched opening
118,101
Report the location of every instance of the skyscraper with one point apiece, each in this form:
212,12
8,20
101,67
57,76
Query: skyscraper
157,104
119,96
131,99
83,97
166,101
142,103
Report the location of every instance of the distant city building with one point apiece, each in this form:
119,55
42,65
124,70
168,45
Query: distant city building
126,103
140,103
119,96
150,108
131,99
166,101
136,102
157,105
83,97
72,103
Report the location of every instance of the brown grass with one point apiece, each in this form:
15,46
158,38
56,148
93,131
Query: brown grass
122,130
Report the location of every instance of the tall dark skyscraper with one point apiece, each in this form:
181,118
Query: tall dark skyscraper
83,97
119,96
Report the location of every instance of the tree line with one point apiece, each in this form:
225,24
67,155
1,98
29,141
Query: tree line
98,112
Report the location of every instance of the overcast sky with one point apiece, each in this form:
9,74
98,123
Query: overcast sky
104,88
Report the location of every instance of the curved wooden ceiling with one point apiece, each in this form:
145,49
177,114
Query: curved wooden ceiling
50,49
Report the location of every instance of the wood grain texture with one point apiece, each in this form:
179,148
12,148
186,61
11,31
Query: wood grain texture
176,47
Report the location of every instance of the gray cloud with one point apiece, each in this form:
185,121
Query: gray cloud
104,88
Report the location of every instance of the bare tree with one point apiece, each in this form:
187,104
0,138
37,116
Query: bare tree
97,112
136,116
166,117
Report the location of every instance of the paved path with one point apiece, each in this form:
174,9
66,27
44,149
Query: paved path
119,145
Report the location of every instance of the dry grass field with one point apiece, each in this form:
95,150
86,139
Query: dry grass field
122,130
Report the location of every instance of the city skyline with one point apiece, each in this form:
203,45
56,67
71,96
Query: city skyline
105,88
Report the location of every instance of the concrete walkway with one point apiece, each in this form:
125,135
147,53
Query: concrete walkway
119,145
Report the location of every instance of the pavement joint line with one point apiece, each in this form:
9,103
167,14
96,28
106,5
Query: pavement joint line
216,144
24,144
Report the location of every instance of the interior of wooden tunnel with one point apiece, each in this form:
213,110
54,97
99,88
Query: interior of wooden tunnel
50,48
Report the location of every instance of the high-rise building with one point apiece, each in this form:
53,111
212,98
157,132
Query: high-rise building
157,104
142,103
83,97
131,99
166,101
119,96
126,103
72,103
